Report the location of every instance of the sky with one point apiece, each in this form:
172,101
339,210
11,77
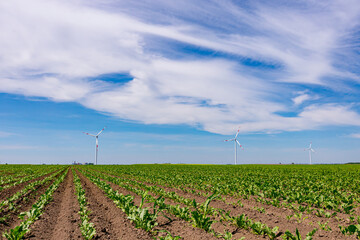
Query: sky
171,80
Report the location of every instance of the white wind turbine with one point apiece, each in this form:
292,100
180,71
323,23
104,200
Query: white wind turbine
96,142
310,151
235,142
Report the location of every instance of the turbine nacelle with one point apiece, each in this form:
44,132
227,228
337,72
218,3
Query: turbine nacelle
97,135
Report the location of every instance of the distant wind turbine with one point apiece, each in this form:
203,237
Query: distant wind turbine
97,142
235,142
310,151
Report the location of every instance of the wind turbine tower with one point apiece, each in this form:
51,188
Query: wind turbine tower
311,150
235,143
96,142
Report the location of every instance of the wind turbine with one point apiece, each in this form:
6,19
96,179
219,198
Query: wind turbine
235,142
310,150
96,142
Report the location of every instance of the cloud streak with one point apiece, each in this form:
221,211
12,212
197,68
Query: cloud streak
6,134
74,42
355,135
16,147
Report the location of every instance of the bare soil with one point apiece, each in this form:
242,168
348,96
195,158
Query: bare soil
60,219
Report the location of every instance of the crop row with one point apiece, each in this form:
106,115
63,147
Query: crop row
23,179
10,203
33,214
87,228
6,179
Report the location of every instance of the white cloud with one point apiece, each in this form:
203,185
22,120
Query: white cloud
303,96
49,87
16,147
300,99
355,135
5,134
51,48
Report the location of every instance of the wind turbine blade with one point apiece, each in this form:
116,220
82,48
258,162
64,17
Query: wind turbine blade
312,150
237,132
101,131
229,140
239,144
89,134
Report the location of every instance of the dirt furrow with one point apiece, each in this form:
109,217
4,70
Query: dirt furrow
110,221
60,219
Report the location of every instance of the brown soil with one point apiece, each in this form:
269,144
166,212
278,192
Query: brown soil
110,222
60,219
32,197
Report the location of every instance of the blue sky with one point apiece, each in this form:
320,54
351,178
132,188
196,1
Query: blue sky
171,80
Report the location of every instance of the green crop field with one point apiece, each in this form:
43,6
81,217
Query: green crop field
165,201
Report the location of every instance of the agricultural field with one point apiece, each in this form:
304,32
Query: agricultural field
180,202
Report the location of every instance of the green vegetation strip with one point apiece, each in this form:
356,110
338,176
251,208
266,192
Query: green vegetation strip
15,182
9,179
87,228
311,186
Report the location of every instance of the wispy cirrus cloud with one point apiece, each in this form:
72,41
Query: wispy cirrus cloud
6,134
16,147
242,69
302,97
355,135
